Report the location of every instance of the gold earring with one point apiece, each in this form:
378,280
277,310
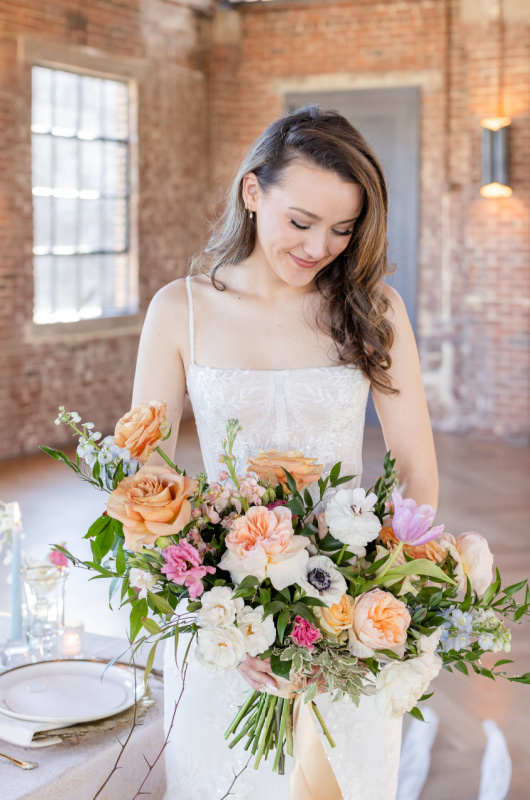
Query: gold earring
250,213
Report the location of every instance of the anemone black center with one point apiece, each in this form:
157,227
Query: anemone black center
319,578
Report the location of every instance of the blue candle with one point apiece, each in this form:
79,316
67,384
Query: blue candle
16,588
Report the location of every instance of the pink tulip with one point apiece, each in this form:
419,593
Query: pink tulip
411,523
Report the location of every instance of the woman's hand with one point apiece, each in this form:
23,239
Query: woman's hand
257,672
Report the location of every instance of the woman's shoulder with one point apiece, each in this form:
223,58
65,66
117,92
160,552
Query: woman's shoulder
396,306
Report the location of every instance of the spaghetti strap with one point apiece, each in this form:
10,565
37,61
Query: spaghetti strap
190,315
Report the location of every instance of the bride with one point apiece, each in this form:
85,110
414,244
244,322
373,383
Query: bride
285,323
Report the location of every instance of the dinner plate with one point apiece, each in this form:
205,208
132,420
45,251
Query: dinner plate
68,691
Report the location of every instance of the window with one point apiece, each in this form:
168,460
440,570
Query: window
82,258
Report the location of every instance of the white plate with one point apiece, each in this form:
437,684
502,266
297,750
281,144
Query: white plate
66,692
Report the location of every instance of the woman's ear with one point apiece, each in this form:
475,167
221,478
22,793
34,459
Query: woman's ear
250,190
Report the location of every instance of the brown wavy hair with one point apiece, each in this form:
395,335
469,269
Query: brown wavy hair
351,286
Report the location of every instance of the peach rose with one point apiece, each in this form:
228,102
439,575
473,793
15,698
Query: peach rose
433,550
141,428
268,466
151,504
262,543
338,618
473,558
380,621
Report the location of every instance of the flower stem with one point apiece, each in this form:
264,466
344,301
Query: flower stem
322,723
262,713
289,729
167,460
341,554
284,712
241,713
390,562
265,734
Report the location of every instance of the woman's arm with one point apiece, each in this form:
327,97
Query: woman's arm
160,371
405,417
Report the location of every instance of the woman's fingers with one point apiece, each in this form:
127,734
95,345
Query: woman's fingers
257,672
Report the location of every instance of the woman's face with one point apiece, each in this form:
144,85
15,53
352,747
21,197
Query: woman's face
303,223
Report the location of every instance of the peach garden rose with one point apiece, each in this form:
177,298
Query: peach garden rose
380,622
268,466
262,543
152,503
141,428
338,618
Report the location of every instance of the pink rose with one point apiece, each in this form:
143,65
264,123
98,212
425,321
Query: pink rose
473,559
380,622
184,567
305,634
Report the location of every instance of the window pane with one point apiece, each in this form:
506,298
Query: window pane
65,222
65,163
66,289
42,222
89,225
116,110
41,160
43,268
90,287
41,106
115,169
65,100
90,123
115,225
90,155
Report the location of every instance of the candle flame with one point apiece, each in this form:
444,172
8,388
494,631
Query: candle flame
16,514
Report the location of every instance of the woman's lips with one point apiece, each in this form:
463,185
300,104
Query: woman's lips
301,263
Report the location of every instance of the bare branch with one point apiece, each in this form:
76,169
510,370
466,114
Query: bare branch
236,776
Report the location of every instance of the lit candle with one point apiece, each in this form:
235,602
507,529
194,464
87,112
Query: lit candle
16,588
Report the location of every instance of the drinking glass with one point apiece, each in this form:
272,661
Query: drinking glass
44,587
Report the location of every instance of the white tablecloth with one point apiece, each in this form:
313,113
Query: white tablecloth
75,769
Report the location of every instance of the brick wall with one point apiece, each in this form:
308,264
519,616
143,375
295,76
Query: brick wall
208,83
89,366
474,262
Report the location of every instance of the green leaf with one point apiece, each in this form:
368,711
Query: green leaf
420,566
415,712
335,471
281,668
286,594
313,601
283,621
308,500
461,666
265,597
304,612
514,588
465,605
291,483
150,661
502,661
95,551
490,592
487,673
97,526
296,507
105,540
138,611
425,696
520,612
151,626
521,678
160,602
120,560
112,588
273,608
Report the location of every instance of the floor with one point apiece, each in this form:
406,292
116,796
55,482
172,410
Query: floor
483,487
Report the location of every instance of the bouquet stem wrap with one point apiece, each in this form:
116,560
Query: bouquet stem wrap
312,777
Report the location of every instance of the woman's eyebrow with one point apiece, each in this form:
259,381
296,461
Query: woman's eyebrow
314,216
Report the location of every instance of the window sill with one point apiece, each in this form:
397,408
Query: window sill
85,329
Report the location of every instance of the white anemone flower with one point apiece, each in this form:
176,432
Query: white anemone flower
322,579
350,518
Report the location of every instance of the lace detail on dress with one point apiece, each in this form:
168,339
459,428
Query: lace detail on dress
321,411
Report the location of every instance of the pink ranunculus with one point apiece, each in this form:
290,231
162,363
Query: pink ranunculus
184,567
305,634
411,523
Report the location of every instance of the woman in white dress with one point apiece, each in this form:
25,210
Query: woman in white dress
301,254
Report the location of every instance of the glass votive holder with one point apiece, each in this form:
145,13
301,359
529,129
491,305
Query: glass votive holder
44,587
72,641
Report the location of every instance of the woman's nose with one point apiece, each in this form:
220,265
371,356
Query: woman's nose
316,247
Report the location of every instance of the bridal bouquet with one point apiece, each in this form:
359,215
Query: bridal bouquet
365,597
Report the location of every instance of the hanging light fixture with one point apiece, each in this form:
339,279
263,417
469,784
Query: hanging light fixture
495,141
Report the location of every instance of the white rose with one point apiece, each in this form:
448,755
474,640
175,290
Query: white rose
320,578
220,649
400,684
219,608
140,579
258,633
350,518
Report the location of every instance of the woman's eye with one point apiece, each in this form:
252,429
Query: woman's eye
343,233
300,227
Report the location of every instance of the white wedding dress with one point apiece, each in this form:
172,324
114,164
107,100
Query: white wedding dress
320,411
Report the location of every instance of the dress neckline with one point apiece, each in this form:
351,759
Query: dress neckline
193,364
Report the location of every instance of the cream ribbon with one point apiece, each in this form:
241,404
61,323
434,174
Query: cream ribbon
312,777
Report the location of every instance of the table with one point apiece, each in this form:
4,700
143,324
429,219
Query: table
76,769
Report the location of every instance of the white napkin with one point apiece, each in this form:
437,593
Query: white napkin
416,755
496,767
21,732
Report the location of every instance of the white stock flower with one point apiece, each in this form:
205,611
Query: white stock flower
140,579
400,684
220,649
219,609
321,579
350,518
258,633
